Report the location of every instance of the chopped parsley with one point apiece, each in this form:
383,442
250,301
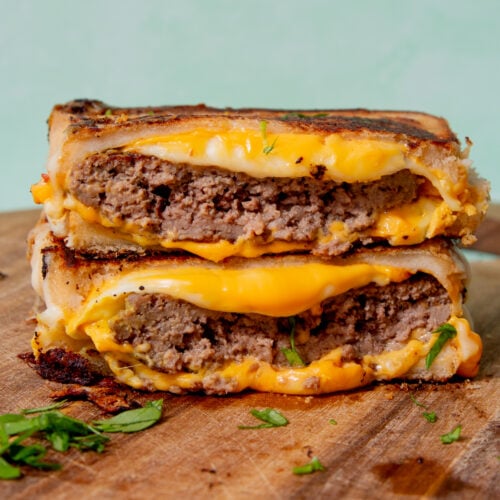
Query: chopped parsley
52,429
313,466
452,436
412,397
108,112
270,417
267,147
430,416
446,332
293,116
291,354
332,421
53,406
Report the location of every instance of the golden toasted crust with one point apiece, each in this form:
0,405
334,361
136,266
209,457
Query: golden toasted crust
93,117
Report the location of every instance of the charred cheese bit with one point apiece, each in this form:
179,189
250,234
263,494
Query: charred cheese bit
271,290
344,159
327,374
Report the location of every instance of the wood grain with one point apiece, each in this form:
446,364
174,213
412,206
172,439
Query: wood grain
381,447
488,234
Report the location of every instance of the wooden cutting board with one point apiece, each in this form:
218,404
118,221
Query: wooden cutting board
381,447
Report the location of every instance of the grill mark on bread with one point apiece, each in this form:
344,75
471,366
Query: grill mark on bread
89,116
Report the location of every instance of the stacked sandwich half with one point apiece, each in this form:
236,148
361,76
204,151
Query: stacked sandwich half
302,252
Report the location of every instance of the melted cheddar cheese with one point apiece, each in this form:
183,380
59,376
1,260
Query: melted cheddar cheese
407,225
327,374
283,290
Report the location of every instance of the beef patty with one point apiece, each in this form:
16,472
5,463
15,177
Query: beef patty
207,204
171,335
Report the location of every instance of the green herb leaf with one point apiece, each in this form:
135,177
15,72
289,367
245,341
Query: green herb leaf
332,421
313,466
412,397
57,421
452,436
132,420
59,440
292,116
291,354
430,416
62,432
43,409
271,417
263,130
8,471
267,147
22,424
292,357
446,332
108,112
94,442
31,455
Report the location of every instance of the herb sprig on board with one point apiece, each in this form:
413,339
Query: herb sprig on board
452,436
270,417
430,416
313,466
25,440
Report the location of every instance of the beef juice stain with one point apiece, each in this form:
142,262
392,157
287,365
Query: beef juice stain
414,476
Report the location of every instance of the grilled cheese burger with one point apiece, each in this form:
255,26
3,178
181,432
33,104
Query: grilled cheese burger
220,182
198,249
187,324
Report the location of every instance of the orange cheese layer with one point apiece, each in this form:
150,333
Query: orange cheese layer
283,290
331,372
266,154
407,225
263,153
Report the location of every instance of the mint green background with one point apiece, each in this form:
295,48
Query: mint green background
437,56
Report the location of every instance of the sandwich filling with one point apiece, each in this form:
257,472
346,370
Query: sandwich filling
172,335
170,202
215,213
